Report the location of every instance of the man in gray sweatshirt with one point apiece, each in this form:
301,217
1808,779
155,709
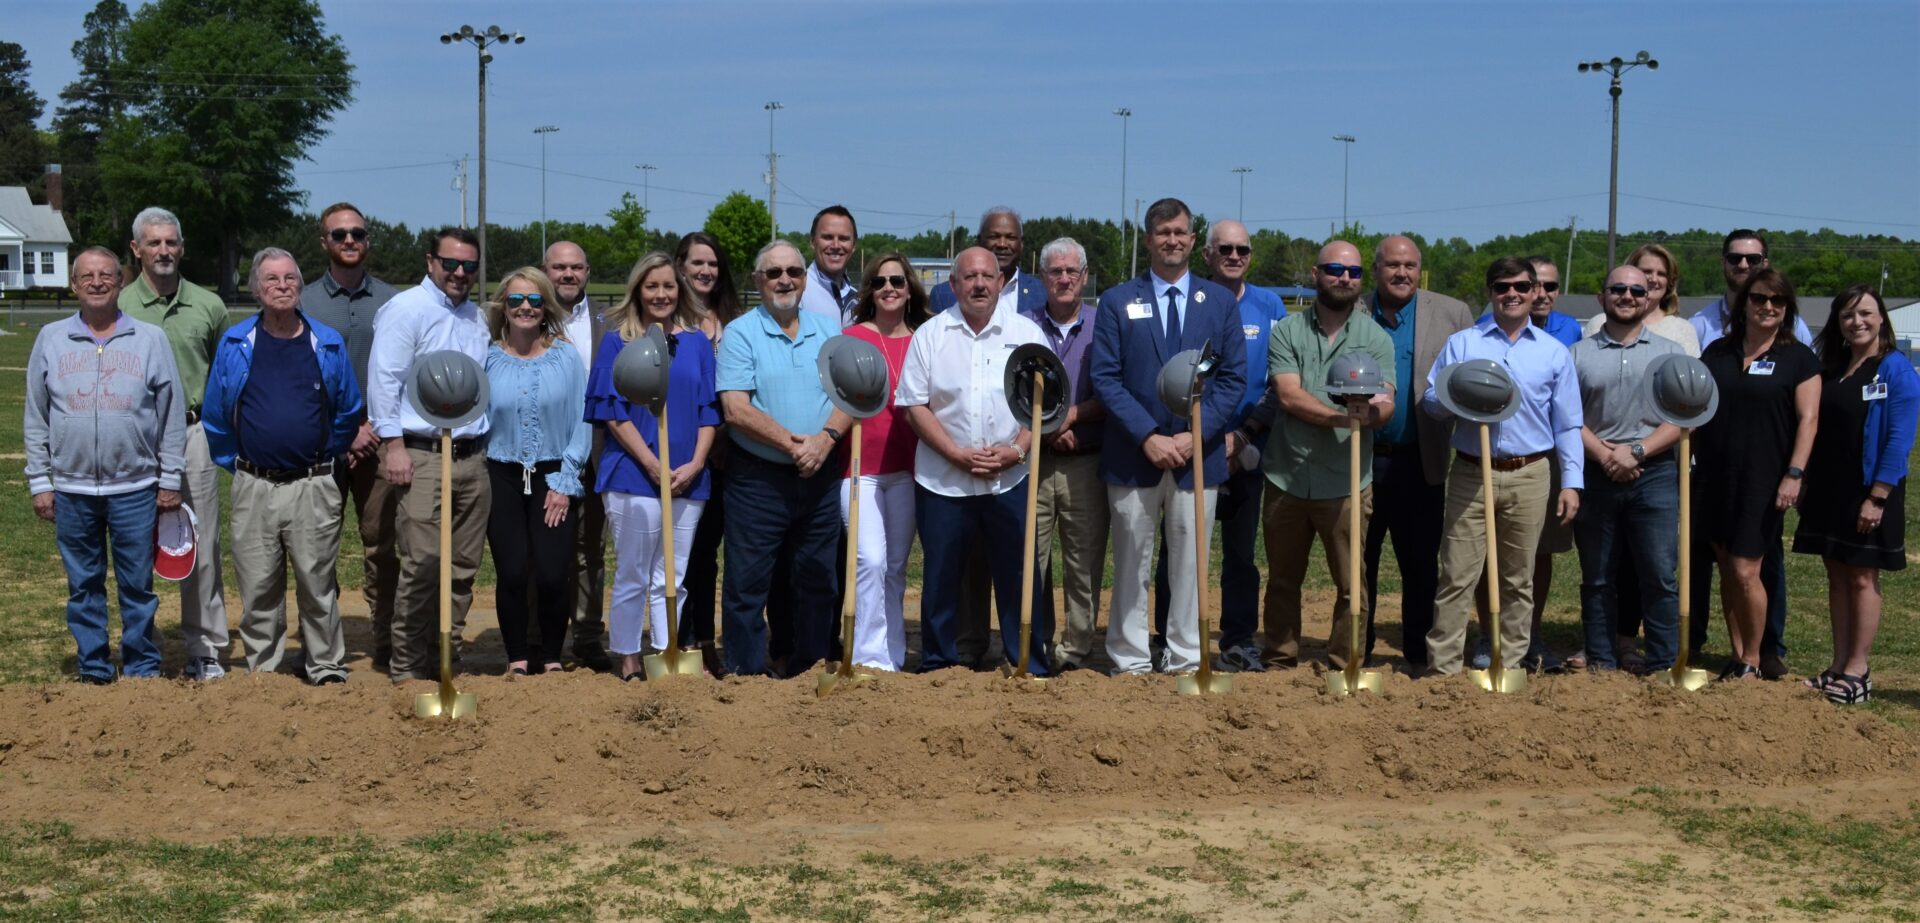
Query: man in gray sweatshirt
106,443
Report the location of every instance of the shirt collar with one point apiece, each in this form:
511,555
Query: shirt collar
816,275
1606,340
148,297
334,288
438,295
1160,286
771,327
1490,326
953,317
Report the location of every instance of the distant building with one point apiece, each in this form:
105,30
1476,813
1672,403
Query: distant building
33,242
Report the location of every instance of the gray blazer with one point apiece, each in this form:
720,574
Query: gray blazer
1436,317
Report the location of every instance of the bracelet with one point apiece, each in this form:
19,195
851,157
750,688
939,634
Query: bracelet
1795,473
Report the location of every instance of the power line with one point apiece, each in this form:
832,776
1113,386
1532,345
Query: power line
1749,211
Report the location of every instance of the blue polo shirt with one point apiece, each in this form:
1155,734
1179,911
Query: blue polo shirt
1400,430
780,375
1260,311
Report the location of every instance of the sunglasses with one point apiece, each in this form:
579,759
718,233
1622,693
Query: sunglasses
883,282
1233,249
1638,291
1337,270
1762,299
1751,259
1549,287
1501,288
340,235
793,272
516,299
450,265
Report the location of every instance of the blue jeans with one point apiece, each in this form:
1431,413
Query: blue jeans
1407,509
781,532
1238,512
83,527
1642,519
949,527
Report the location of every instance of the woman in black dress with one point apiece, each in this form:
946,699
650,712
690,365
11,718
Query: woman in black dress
1753,453
1856,480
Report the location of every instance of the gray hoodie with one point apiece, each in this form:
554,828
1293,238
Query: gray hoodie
103,418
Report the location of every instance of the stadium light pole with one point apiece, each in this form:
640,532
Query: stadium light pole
481,41
1616,67
773,171
646,185
1346,150
1243,171
543,131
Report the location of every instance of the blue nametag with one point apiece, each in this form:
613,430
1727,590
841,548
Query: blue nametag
1761,367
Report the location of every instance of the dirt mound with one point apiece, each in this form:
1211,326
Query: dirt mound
267,754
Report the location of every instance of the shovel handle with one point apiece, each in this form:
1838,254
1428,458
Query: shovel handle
1493,549
1354,530
1686,549
446,532
1026,640
853,555
671,590
1200,539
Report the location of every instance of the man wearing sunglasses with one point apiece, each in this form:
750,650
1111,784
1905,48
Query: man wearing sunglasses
1634,507
431,316
345,298
1555,537
1742,253
1542,434
829,292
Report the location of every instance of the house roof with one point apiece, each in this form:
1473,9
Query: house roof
37,223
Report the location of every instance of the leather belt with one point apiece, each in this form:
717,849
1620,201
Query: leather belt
283,475
1510,463
193,415
461,447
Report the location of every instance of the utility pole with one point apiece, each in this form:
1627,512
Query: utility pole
1616,67
1133,258
953,218
773,171
460,184
480,41
543,131
1346,151
1126,117
646,186
1243,171
1573,228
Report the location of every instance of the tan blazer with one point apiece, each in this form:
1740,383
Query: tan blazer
1436,317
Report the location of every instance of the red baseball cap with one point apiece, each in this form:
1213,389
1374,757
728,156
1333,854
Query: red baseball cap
175,539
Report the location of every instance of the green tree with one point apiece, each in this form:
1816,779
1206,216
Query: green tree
741,223
223,97
627,235
23,154
87,106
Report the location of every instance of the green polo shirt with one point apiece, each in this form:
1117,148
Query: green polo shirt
1305,459
194,319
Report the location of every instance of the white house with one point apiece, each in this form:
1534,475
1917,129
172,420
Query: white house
33,243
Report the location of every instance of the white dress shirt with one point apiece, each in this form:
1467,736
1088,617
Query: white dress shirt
580,331
961,377
818,298
416,322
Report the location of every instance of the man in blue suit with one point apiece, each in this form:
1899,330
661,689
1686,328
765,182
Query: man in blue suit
1141,324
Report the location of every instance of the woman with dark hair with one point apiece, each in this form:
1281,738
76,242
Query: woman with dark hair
1753,453
892,305
1854,514
708,274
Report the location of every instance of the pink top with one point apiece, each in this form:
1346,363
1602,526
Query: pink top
887,441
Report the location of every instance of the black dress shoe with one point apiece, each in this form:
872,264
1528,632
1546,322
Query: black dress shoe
594,659
96,680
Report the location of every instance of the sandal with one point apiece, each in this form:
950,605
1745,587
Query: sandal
1821,682
1739,671
516,671
552,666
1575,661
1849,690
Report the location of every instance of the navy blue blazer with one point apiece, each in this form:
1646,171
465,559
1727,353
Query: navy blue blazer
1033,295
1127,357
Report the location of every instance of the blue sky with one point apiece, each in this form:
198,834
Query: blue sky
1470,119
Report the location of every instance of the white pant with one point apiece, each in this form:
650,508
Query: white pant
1137,512
640,567
880,574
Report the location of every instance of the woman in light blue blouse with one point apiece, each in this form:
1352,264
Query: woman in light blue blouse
538,441
629,466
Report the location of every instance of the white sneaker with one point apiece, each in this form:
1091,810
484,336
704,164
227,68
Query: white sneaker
205,669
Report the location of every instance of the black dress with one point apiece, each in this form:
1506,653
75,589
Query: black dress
1830,504
1744,450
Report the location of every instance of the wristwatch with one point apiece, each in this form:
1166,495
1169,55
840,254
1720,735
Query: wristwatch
832,433
1023,455
1879,503
1639,451
1795,473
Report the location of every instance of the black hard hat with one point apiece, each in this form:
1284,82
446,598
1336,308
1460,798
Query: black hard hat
1025,361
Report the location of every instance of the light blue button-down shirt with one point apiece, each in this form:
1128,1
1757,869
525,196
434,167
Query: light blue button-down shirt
1549,416
781,375
537,412
1160,286
1710,323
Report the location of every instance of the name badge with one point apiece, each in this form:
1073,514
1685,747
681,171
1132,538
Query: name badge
1874,391
1251,330
1139,310
1760,367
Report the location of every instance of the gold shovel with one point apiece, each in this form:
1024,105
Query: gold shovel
830,680
1682,676
1353,679
1202,681
1498,677
673,661
445,701
1026,570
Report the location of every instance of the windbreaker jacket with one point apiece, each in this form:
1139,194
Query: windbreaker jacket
228,378
103,418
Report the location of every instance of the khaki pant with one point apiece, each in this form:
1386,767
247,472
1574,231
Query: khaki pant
274,525
1521,504
1138,513
416,615
374,503
203,603
1291,524
1073,502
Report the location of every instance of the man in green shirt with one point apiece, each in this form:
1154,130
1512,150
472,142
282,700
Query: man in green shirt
1307,460
193,319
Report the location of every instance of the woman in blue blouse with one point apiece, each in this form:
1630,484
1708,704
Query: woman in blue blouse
1854,512
539,439
629,466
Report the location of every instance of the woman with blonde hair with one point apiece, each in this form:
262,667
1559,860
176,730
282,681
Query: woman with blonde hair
1656,262
538,442
629,463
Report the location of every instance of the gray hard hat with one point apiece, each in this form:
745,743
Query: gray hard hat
448,389
640,371
1026,360
1478,390
1184,378
1355,374
1681,390
854,374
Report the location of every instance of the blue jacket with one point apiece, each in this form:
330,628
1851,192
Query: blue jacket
1127,357
1033,295
1890,423
228,378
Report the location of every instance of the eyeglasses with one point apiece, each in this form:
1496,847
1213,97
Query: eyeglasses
1551,287
1337,270
1638,291
450,265
884,282
793,272
1063,272
1233,249
1501,288
340,235
1751,259
515,300
1762,299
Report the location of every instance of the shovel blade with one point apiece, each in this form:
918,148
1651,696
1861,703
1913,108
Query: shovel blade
1507,680
671,662
1690,680
1206,683
835,680
1341,684
452,705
